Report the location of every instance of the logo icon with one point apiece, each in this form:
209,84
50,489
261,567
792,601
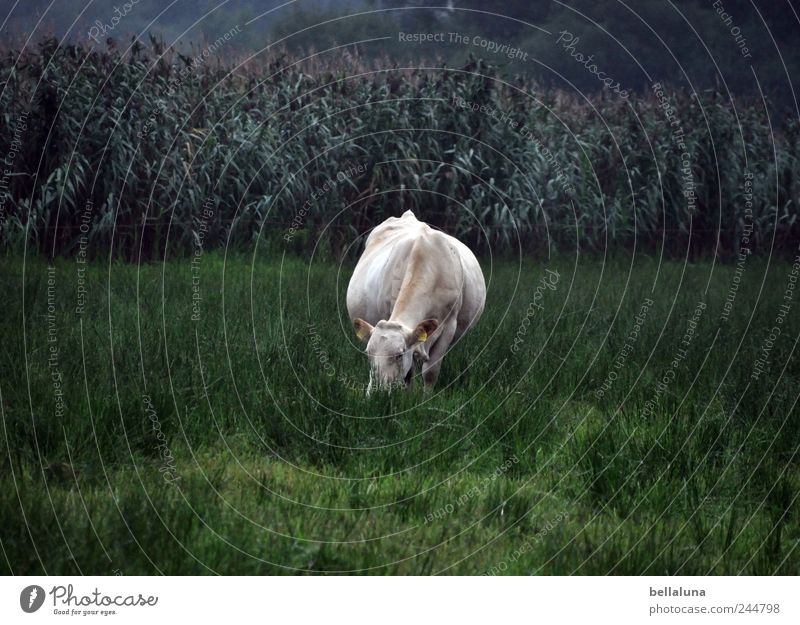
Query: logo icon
31,598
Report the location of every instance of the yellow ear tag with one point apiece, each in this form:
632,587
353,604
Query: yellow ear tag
422,336
360,334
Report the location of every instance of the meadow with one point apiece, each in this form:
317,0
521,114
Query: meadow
206,415
182,393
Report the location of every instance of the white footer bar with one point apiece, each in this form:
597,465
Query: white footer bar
355,600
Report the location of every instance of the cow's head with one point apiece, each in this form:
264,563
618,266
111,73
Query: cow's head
391,347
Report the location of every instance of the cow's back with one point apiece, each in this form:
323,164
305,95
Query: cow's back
378,276
414,272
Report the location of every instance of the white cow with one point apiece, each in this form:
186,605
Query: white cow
414,292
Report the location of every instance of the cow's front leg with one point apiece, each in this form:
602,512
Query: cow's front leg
409,379
430,368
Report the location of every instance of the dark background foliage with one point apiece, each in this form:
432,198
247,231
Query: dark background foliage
679,41
139,148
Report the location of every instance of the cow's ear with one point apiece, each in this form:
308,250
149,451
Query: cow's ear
423,330
362,328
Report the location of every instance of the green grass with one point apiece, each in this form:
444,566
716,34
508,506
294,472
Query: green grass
514,465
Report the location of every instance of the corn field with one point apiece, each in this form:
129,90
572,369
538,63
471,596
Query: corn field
145,153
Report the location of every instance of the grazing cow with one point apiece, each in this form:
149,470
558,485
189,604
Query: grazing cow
414,292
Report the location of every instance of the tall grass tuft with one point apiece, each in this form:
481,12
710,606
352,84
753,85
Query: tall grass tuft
143,153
